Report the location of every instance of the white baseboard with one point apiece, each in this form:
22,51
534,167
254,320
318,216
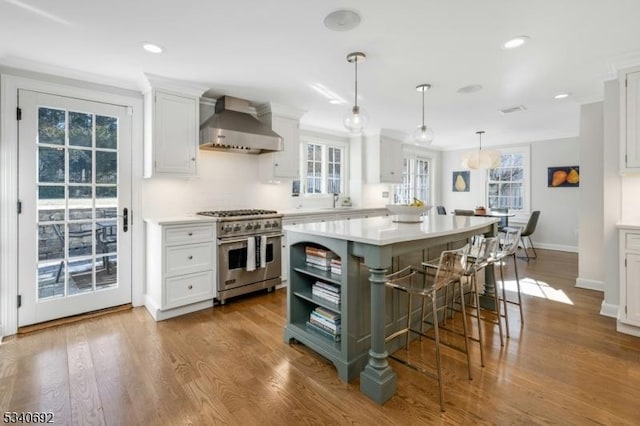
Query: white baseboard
627,329
160,315
590,284
609,310
557,247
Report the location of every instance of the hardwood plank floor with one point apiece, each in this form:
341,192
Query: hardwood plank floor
229,365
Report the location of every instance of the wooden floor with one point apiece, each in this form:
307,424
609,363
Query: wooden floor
229,365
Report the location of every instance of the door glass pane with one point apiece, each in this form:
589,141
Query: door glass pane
51,126
51,165
80,237
106,132
107,236
51,203
80,129
51,279
106,271
106,167
50,242
79,166
80,202
80,276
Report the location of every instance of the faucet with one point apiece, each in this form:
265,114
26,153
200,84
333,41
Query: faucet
335,198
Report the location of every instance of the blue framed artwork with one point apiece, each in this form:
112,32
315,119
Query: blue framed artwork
460,181
563,177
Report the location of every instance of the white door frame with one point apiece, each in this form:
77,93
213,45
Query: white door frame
9,85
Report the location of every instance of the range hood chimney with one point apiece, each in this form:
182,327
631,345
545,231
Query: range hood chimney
233,129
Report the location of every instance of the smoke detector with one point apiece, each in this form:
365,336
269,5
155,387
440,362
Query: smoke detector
342,20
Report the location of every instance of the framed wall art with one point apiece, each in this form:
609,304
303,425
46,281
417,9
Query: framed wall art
460,181
560,177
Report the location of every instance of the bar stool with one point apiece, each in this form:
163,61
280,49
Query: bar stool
415,282
478,258
508,249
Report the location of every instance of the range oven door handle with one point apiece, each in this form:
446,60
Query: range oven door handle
239,240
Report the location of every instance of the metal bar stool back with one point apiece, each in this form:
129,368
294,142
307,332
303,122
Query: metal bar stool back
509,248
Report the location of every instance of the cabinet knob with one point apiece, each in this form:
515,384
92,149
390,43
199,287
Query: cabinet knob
190,257
193,158
276,164
190,233
393,173
190,287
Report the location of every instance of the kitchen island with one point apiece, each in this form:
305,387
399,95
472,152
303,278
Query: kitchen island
368,248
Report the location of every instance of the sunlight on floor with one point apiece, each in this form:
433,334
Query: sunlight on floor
536,288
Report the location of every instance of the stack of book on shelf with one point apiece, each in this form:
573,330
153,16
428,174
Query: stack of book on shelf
336,266
319,258
326,291
325,322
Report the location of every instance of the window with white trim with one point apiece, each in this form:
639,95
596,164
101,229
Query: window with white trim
416,181
507,184
324,166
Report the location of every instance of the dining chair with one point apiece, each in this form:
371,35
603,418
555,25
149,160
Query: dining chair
528,230
459,212
418,283
441,210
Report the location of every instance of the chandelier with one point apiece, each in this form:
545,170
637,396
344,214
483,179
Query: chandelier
481,159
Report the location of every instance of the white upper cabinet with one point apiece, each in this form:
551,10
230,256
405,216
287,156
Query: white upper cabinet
171,128
284,164
383,158
630,121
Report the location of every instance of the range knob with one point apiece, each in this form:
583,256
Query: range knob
275,224
236,228
267,225
257,226
227,228
249,227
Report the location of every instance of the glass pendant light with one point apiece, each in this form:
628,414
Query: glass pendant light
356,119
423,135
481,159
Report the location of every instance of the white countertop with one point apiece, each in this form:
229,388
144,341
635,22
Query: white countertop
181,220
327,211
382,230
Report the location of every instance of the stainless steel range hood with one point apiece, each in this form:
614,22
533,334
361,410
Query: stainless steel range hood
232,128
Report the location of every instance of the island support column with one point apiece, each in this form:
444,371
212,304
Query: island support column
377,380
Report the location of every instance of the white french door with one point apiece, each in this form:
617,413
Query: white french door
74,184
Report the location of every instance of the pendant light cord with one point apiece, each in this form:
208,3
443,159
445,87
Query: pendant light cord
423,108
356,62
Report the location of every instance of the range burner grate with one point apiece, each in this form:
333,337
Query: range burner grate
232,213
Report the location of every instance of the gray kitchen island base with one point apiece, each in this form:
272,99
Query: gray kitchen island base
368,249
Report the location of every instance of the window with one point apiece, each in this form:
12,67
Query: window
324,166
416,181
506,184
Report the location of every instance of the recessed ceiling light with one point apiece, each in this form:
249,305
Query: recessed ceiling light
153,48
342,20
515,42
470,89
561,96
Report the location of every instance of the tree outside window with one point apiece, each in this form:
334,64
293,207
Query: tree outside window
324,168
416,181
505,185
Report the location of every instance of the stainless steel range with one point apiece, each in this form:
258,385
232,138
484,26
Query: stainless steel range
249,251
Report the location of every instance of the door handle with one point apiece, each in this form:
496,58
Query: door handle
125,219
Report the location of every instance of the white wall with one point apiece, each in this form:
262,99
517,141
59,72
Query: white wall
559,207
591,241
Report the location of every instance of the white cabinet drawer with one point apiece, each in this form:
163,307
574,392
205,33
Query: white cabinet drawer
188,234
187,289
633,242
189,258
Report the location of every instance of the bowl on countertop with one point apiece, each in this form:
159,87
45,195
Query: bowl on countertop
408,214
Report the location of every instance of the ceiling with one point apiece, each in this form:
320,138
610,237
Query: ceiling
280,51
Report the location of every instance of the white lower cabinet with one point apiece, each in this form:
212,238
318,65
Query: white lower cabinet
629,310
180,268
